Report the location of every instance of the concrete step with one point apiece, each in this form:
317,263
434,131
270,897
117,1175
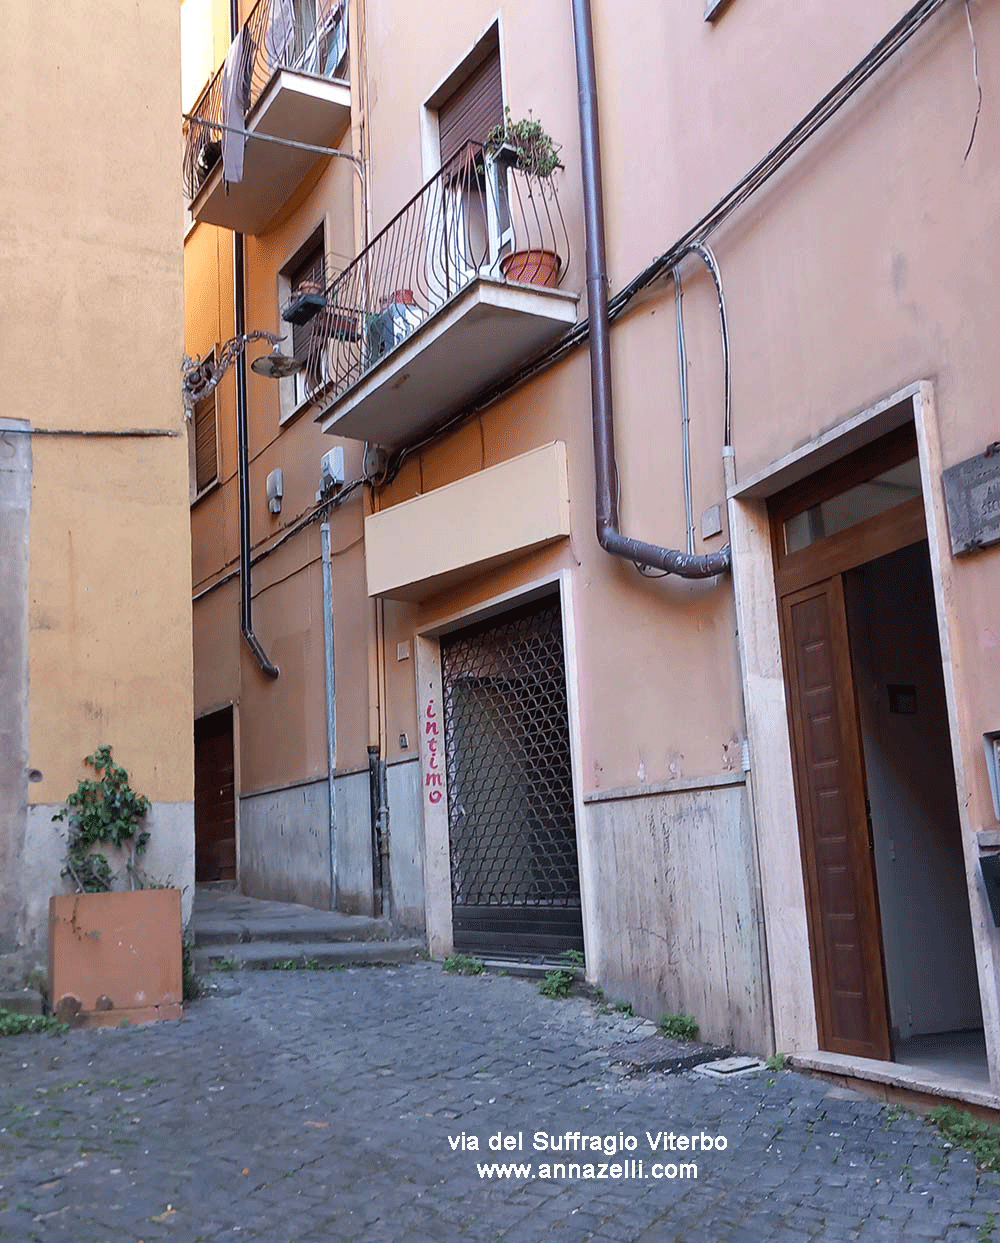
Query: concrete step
273,955
305,925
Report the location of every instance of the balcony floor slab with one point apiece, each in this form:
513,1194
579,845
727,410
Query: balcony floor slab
296,106
476,338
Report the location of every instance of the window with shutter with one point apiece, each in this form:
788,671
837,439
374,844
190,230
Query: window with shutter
206,458
474,108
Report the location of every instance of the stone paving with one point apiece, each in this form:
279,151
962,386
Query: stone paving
317,1106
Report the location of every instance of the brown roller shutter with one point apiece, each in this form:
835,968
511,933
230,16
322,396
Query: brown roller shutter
473,109
205,454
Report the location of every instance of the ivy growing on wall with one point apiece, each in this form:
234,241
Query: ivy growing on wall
103,811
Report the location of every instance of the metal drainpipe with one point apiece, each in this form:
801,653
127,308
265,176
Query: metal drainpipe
243,468
375,803
243,455
331,706
670,560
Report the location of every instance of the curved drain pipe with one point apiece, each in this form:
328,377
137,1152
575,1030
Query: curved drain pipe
640,553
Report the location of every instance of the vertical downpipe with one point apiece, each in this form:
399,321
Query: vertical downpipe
243,454
375,802
331,706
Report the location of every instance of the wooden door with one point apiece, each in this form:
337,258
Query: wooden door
841,897
214,798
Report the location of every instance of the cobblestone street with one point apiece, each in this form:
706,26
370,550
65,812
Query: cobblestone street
315,1105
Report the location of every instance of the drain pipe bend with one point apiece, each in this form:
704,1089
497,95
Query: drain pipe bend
652,556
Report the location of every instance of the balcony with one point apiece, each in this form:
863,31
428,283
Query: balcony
282,78
454,293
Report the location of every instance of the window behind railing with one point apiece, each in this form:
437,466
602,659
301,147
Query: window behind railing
473,109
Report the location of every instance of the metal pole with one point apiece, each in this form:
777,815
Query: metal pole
331,706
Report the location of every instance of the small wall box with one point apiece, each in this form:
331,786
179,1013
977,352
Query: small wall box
991,744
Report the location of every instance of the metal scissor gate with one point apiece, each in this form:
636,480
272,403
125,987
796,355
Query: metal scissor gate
515,878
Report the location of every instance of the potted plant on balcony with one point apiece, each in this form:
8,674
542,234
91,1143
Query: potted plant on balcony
306,301
526,146
113,955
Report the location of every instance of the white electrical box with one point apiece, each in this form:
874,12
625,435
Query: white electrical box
275,489
331,468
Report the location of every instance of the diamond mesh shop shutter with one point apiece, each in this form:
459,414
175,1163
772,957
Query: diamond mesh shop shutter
514,869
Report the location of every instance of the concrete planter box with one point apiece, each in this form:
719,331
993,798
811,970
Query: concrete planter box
115,956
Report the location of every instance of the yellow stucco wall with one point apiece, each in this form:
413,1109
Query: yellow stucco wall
92,233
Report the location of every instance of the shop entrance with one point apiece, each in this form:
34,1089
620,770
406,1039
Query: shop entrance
515,876
887,902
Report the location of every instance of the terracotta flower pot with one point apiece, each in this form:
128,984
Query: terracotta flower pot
532,267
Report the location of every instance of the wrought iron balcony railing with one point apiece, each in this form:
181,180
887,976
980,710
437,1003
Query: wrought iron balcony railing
480,216
307,36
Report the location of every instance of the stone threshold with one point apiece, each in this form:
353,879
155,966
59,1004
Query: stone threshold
918,1080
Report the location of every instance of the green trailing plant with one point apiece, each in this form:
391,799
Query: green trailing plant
779,1061
103,811
536,152
462,964
678,1027
14,1024
981,1139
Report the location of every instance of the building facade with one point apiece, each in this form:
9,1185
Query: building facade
755,788
95,630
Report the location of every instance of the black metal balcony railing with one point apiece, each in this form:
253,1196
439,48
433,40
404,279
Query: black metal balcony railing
308,36
479,216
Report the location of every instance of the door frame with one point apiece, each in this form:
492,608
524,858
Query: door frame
762,672
430,708
817,570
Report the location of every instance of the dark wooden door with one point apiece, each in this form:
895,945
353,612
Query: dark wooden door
214,798
839,866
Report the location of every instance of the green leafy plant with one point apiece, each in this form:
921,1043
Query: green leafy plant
462,964
678,1027
572,959
557,983
15,1024
191,982
537,154
779,1061
103,811
981,1139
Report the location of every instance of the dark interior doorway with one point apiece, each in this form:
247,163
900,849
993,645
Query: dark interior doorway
927,943
214,798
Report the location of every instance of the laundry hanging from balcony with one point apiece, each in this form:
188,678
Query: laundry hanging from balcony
235,100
